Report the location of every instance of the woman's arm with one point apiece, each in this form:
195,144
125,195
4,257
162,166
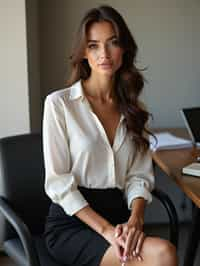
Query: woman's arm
139,183
140,178
131,233
102,227
137,210
60,183
94,220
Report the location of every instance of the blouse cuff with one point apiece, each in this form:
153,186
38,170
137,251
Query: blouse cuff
141,192
73,202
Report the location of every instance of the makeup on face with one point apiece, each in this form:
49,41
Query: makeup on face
103,50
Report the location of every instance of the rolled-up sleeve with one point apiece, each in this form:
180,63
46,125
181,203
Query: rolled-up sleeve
140,178
60,183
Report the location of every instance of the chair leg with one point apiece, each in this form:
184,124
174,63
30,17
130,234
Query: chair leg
172,214
193,238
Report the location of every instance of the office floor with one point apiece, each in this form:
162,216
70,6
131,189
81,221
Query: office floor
158,230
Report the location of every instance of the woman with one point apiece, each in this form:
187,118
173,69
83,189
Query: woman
96,150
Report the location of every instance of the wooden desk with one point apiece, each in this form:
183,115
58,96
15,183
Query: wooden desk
171,162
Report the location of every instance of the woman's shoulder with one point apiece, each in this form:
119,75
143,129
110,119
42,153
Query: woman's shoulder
62,95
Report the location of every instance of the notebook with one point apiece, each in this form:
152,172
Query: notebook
191,117
192,169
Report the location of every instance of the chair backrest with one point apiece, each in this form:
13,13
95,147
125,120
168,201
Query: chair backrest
22,181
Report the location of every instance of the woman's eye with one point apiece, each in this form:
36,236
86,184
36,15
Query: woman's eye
92,46
115,42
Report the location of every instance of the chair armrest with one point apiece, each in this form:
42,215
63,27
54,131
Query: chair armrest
172,214
22,231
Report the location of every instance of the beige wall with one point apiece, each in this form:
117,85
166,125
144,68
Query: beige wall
14,102
168,36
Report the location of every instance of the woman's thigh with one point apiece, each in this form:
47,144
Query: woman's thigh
155,252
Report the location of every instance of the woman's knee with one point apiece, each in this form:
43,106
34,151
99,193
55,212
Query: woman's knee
165,253
155,252
110,258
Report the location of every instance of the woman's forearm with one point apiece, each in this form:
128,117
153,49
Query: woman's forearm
138,207
94,220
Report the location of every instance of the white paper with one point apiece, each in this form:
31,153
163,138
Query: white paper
166,140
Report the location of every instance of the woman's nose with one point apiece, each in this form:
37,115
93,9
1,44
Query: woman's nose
104,53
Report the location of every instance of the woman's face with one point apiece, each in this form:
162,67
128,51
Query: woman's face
103,52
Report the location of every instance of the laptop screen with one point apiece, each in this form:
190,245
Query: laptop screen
191,118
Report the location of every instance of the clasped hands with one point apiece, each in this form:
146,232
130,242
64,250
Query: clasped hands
128,239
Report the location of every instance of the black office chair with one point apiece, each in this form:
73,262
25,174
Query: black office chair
24,205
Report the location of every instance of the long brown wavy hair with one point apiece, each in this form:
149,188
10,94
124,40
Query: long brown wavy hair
129,80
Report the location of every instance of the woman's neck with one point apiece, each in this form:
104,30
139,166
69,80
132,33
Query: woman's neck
99,88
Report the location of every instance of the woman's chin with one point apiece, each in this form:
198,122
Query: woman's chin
106,72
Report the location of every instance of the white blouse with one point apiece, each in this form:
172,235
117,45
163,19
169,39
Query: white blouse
77,152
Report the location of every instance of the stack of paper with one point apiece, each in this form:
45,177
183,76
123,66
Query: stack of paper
166,140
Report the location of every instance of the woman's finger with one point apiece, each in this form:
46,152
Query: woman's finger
134,242
140,243
119,251
128,243
118,230
125,229
121,240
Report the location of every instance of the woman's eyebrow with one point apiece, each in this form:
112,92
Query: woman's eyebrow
110,38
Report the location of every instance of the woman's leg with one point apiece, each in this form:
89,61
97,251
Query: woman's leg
155,252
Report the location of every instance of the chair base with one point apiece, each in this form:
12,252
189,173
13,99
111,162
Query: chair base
14,249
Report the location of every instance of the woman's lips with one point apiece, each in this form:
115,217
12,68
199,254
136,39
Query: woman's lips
105,65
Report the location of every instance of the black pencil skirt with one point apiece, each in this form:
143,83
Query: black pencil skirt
72,242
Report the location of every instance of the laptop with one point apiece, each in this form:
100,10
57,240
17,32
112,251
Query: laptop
191,117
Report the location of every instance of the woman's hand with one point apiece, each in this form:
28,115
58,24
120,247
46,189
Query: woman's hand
132,235
117,242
